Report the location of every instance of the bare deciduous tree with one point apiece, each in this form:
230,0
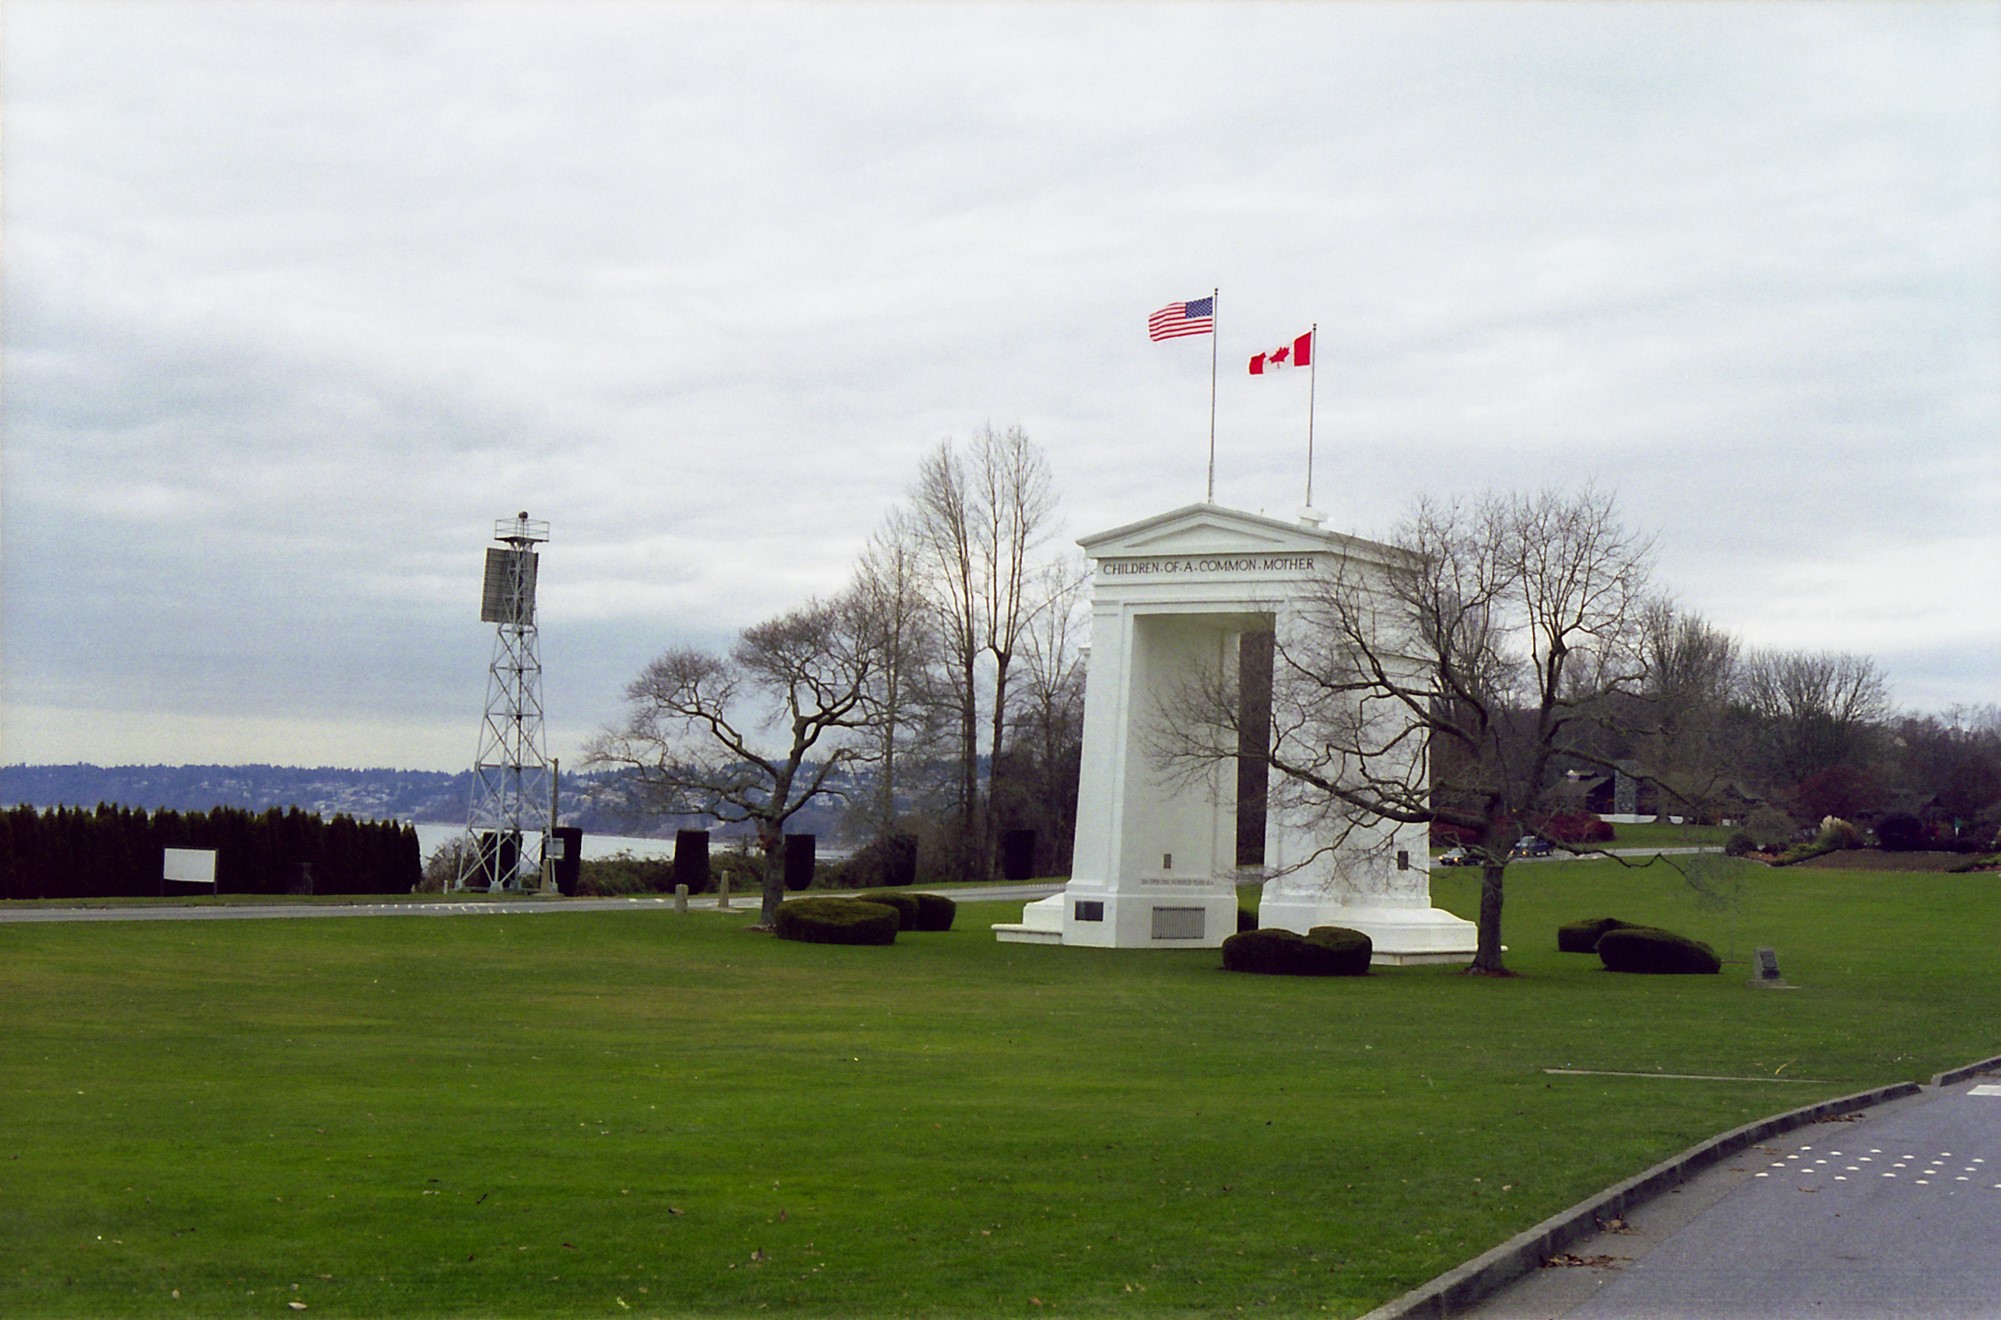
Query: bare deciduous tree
1816,710
695,732
1046,723
1686,735
890,590
943,518
978,516
1014,508
1446,684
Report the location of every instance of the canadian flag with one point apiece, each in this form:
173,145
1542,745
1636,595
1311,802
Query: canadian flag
1299,353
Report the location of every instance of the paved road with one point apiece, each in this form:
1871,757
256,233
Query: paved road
1628,853
1895,1214
743,903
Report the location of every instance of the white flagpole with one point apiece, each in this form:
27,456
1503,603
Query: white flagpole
1214,335
1312,378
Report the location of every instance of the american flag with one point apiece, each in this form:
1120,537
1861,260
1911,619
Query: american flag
1194,317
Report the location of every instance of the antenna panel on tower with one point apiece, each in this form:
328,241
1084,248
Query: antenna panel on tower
508,593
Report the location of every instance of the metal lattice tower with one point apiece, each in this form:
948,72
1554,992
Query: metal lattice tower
512,775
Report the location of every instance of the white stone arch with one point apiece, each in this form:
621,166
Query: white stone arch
1155,861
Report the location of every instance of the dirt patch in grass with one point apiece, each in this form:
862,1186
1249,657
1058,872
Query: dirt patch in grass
1869,859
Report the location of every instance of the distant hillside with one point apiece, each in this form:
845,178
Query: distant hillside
600,803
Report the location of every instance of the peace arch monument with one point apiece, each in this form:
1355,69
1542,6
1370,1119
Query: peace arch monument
1158,860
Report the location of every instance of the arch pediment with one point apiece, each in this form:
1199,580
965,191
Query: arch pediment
1212,532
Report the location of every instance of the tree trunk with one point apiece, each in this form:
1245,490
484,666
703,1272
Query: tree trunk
770,841
996,774
1487,955
886,820
972,827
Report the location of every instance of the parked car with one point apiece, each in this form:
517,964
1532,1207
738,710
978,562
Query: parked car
1456,857
1530,846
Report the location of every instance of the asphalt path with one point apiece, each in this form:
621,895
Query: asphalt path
1895,1213
746,904
995,893
1558,855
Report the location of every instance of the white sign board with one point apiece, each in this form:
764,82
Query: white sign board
194,866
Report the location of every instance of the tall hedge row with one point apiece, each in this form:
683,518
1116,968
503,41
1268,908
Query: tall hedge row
116,851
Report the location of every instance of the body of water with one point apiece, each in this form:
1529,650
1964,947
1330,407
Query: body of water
431,837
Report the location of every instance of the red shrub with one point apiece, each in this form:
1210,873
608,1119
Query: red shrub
1840,790
1452,836
1576,827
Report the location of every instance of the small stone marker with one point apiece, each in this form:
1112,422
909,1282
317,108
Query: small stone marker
1765,963
723,893
680,898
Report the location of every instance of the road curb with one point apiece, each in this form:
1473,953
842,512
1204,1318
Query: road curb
1958,1075
1459,1288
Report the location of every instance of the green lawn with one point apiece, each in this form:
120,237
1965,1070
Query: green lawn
1662,834
638,1112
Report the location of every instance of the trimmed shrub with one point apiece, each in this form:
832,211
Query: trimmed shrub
1739,844
1656,952
1284,953
691,861
935,912
906,906
836,921
798,854
1900,832
622,873
1017,854
1836,833
1804,852
1583,936
1352,948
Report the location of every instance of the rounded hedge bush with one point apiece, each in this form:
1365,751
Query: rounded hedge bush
1657,952
1352,947
836,921
1329,951
906,905
1583,936
934,912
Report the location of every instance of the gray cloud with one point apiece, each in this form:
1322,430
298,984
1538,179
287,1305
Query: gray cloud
301,297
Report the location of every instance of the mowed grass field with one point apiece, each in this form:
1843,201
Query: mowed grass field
623,1113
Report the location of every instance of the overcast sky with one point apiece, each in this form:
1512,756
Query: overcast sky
301,297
